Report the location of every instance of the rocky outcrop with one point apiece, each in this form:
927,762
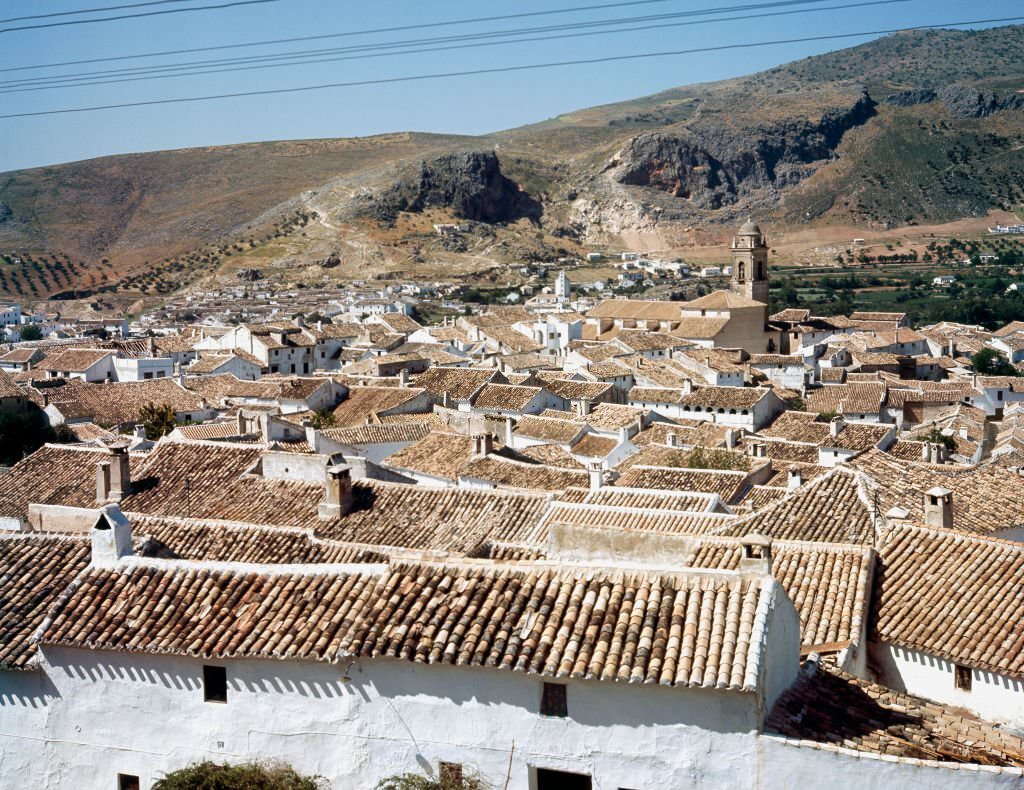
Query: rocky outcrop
960,100
713,166
470,184
5,212
972,103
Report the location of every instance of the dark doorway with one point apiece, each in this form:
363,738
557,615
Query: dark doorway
561,780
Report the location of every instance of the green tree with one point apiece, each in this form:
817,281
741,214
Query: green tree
24,432
324,418
990,362
32,332
248,776
157,420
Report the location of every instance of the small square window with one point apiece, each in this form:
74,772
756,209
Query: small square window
962,676
127,782
553,700
215,684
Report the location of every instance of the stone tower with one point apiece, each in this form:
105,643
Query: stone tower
750,263
562,286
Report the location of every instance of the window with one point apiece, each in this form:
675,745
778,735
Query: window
147,375
215,684
127,782
553,700
962,676
562,780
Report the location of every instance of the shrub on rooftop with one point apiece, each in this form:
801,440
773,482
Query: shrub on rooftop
208,775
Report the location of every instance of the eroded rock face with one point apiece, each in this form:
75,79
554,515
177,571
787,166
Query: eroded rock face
5,212
470,184
972,103
714,166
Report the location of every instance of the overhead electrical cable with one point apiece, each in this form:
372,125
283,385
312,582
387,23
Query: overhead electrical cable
349,33
89,10
503,69
120,17
304,59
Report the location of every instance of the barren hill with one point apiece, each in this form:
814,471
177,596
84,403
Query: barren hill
918,127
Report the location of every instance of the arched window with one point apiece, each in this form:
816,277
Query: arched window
740,271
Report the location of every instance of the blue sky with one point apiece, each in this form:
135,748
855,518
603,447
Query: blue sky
465,104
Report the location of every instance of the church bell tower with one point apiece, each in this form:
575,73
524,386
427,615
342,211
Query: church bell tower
750,263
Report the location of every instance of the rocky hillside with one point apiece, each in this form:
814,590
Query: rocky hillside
918,127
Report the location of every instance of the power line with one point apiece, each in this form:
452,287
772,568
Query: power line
296,39
119,17
307,57
88,10
502,69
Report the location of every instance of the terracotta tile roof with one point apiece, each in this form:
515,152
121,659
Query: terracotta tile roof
219,388
449,520
90,432
593,445
656,395
858,398
758,497
8,389
638,309
612,416
986,498
726,397
642,340
363,402
506,397
550,429
118,403
692,458
864,315
644,499
398,322
511,339
657,520
34,571
576,390
832,375
209,430
797,426
857,437
458,383
509,473
20,356
791,315
405,431
76,360
609,369
807,471
516,618
831,707
728,485
783,450
833,508
439,453
689,433
700,328
550,454
53,474
829,584
953,595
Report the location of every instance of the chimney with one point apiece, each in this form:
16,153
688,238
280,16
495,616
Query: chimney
319,326
757,449
836,426
926,452
951,351
585,407
938,507
672,440
508,431
102,481
483,445
140,432
111,536
794,479
403,377
730,438
757,553
240,419
687,386
120,472
338,496
639,424
596,476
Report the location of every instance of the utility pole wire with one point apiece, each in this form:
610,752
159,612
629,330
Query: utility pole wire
302,59
501,69
120,17
89,10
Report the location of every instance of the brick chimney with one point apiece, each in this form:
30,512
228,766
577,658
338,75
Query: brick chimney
757,553
102,481
483,445
938,507
111,536
338,495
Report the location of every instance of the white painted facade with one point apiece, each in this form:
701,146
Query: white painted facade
992,696
143,369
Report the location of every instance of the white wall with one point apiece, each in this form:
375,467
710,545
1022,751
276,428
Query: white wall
992,696
136,369
103,713
791,764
